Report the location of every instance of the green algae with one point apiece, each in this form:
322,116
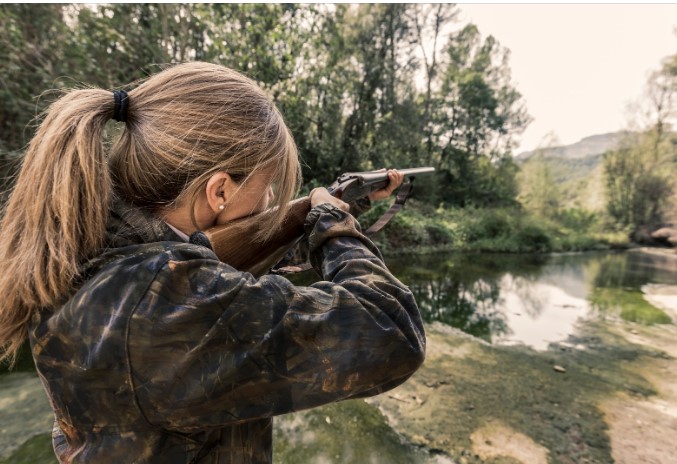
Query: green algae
466,384
24,410
629,304
37,449
347,432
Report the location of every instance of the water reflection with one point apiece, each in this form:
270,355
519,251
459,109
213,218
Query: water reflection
538,299
627,285
456,291
532,299
499,298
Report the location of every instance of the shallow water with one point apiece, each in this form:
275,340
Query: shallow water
536,300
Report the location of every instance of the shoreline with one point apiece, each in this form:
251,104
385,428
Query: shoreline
617,408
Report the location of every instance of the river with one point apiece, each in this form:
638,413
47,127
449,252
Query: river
529,358
535,300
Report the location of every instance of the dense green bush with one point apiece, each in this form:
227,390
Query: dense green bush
419,227
577,218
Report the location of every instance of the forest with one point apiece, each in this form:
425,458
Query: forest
361,87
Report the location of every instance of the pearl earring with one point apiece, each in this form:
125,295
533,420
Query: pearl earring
222,207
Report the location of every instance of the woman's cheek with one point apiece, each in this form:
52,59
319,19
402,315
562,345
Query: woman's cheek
220,219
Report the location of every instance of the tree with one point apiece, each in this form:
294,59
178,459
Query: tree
638,189
538,191
640,175
476,114
36,54
428,22
344,77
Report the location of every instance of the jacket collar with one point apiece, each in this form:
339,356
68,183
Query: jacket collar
128,225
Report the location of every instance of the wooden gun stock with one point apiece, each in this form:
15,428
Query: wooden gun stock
233,245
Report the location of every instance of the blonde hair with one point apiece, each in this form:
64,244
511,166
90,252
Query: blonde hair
184,124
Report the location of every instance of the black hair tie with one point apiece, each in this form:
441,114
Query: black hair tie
121,104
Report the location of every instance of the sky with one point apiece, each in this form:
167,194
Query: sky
578,66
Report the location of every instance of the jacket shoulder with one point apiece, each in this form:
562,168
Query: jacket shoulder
151,256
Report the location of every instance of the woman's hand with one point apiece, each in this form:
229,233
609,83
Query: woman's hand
321,195
394,180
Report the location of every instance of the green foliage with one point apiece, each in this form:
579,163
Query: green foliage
420,227
509,230
475,114
36,50
343,76
638,185
577,218
640,176
539,192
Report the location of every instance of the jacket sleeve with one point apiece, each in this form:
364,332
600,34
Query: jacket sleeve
300,254
211,346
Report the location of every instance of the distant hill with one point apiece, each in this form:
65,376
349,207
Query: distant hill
588,146
577,168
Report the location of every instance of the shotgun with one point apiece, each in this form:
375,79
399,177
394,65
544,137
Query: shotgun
258,258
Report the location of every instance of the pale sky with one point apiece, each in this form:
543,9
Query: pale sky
578,66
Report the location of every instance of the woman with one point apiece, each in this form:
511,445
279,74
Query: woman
149,348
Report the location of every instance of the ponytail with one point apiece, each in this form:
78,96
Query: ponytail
186,123
56,214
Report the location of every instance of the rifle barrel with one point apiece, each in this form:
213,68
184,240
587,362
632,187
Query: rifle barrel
376,176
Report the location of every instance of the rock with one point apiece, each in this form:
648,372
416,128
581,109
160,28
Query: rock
558,368
665,235
656,235
398,398
436,384
419,439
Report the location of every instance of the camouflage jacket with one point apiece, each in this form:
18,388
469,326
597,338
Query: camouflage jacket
166,355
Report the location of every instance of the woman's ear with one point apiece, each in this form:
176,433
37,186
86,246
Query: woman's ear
218,190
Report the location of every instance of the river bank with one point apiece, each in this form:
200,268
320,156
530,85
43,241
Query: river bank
606,395
567,365
603,396
422,228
